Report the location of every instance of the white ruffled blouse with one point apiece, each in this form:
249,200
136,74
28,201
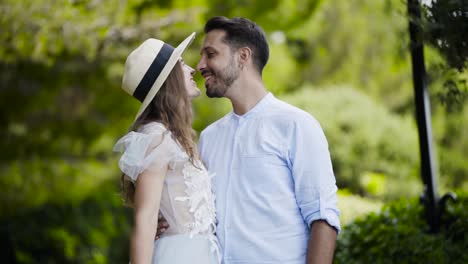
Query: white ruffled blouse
187,200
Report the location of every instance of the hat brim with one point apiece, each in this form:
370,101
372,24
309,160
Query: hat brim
165,73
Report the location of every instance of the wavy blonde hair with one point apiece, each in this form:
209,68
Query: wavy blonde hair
172,107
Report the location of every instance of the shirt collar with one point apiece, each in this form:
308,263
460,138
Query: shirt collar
257,108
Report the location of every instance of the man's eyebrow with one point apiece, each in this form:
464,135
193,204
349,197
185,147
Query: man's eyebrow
204,49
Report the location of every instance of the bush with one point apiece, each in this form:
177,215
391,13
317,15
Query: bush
95,230
354,206
374,151
398,234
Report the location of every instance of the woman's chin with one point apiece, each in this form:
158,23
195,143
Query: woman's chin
194,96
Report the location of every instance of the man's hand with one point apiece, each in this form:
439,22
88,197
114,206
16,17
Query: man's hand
162,226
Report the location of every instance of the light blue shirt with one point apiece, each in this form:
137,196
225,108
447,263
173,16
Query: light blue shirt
273,178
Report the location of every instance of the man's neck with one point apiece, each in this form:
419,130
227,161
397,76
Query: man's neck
246,94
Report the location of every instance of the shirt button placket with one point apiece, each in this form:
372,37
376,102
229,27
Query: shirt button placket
229,194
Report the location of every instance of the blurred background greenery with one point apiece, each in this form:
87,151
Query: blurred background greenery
345,62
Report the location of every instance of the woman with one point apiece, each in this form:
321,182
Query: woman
162,170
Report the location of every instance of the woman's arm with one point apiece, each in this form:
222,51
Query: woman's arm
148,190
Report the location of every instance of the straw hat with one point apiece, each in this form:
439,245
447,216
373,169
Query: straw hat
148,66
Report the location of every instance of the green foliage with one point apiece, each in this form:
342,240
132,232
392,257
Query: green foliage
446,25
373,150
281,66
95,230
40,181
272,15
452,149
361,43
398,234
448,87
353,206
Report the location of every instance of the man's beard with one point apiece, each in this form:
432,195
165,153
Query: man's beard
223,80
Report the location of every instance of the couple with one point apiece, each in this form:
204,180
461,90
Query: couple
268,161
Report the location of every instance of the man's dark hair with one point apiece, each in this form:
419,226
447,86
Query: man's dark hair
241,32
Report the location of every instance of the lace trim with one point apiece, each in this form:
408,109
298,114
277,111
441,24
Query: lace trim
200,199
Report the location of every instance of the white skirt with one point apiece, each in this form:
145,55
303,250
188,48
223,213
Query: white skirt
181,249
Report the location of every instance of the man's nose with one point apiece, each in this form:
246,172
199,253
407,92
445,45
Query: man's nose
201,65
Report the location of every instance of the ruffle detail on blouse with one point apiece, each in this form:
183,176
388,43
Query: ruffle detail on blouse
200,199
153,145
201,202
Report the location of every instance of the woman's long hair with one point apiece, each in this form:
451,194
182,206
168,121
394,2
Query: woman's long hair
172,107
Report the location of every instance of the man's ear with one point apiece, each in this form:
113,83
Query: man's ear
245,55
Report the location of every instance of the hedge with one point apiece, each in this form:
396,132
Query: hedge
399,234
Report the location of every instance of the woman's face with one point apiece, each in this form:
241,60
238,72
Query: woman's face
190,84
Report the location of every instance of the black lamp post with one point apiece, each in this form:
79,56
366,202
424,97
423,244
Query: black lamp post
430,199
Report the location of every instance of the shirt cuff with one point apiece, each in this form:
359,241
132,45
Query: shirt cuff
331,216
323,210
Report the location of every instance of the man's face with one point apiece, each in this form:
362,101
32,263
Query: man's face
217,65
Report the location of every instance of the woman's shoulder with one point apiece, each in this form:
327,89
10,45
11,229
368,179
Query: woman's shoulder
150,144
152,127
147,136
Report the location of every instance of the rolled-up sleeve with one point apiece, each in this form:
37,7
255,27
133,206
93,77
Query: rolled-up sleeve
312,171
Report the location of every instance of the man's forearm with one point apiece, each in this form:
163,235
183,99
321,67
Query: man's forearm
322,243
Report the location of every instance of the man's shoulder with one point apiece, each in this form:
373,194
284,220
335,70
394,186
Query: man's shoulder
282,110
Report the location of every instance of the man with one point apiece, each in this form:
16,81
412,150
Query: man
274,183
